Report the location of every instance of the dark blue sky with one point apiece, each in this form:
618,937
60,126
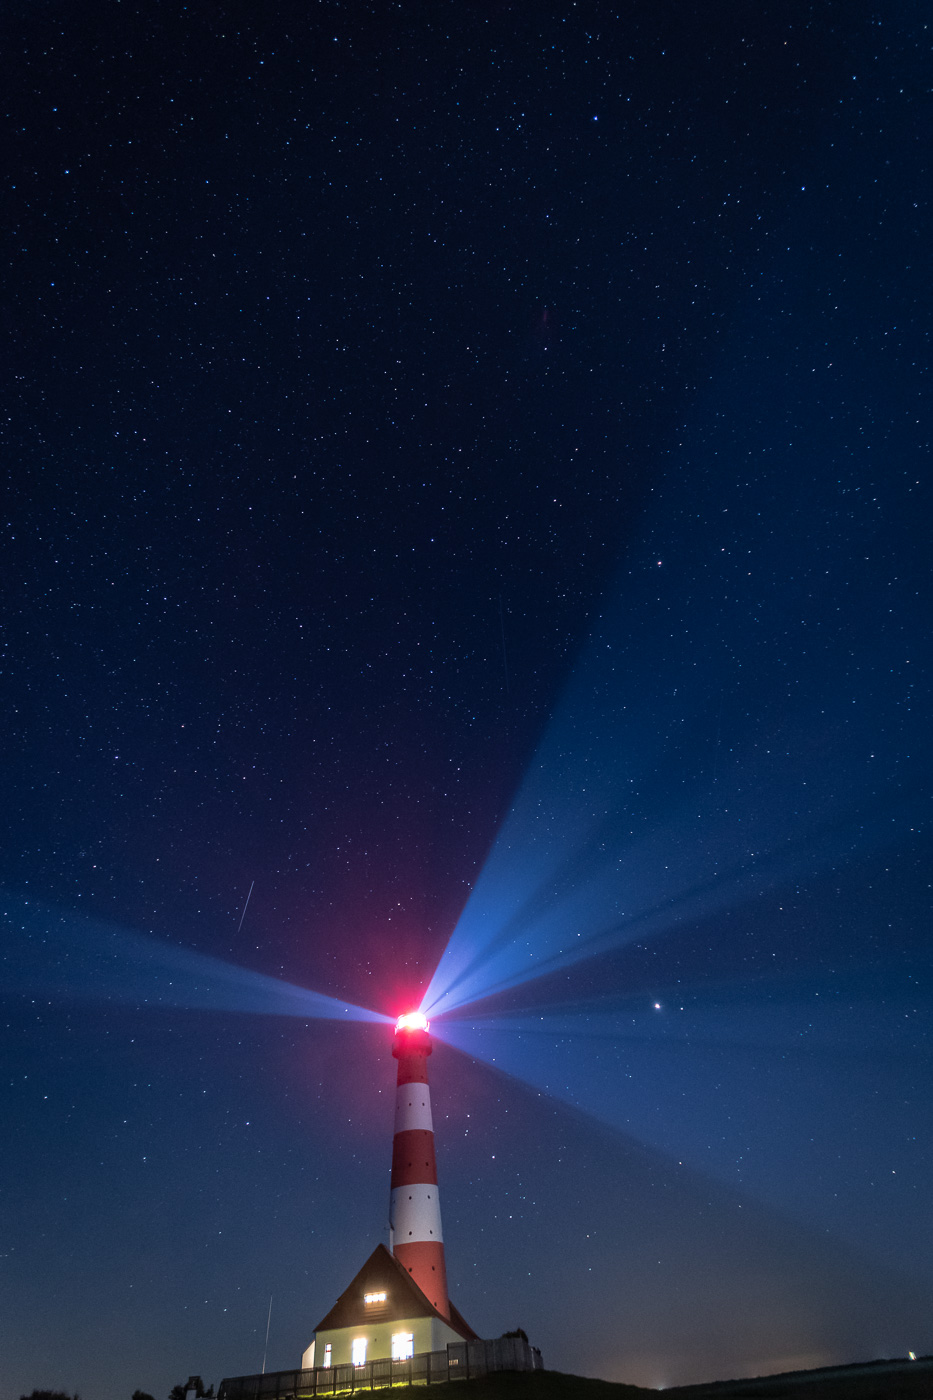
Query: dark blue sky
468,485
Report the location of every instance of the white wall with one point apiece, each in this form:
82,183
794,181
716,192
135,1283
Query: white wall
430,1333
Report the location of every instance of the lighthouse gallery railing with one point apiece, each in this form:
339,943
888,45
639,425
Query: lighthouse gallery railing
460,1361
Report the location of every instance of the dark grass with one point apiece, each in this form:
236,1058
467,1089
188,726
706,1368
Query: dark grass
879,1380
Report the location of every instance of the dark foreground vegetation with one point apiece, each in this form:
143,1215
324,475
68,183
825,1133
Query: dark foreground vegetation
873,1380
879,1380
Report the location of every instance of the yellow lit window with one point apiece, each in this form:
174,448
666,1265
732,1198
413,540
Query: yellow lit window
358,1351
328,1354
374,1297
403,1346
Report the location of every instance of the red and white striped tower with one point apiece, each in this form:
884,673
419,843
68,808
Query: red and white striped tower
414,1208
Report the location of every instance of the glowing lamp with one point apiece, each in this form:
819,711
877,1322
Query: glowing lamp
412,1021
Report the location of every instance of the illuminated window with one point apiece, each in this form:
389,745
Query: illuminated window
403,1346
328,1354
358,1351
374,1297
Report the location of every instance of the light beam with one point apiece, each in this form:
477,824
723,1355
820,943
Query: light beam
703,751
63,956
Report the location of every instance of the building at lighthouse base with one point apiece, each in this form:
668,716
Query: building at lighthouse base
383,1314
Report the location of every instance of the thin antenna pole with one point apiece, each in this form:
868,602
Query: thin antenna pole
245,906
268,1319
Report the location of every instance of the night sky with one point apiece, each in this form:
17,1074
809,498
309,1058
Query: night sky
466,545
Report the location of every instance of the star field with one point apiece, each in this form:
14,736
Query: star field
465,537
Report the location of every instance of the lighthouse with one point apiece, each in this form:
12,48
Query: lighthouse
394,1323
415,1235
397,1307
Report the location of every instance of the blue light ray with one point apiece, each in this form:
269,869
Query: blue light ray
604,896
764,1088
58,955
781,1012
703,749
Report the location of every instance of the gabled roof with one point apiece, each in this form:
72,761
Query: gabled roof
382,1273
